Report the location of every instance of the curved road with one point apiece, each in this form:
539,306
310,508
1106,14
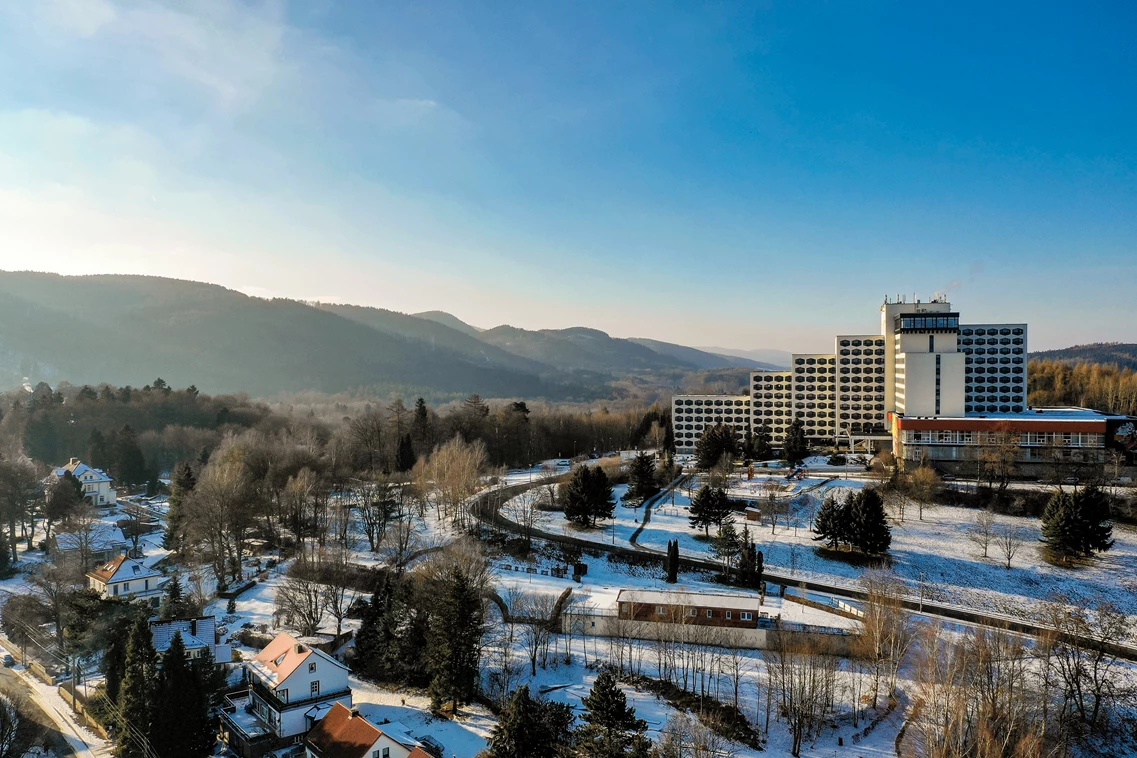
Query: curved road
486,508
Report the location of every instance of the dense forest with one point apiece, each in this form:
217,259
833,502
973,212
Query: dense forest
141,433
1105,387
1123,354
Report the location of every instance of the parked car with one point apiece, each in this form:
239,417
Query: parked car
9,661
1070,480
948,477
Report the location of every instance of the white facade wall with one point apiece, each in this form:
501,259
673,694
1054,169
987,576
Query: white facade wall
995,367
815,393
861,384
691,414
771,404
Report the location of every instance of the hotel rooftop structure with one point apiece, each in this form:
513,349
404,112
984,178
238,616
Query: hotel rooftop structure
874,391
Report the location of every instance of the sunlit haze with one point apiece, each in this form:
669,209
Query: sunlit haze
739,175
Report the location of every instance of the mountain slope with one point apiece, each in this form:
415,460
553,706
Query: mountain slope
698,358
436,335
773,359
446,319
1124,354
129,329
581,349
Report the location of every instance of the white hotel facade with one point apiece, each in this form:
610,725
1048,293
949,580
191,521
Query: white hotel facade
923,363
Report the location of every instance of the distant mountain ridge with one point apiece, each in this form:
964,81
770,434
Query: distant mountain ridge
131,329
1124,354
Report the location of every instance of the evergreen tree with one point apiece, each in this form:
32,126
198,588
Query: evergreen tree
611,728
869,530
114,655
231,606
795,446
671,563
702,508
749,560
182,483
369,642
456,628
405,455
762,449
1061,530
726,547
137,696
1096,523
641,478
717,441
174,604
129,465
831,522
601,499
97,454
530,727
175,693
574,496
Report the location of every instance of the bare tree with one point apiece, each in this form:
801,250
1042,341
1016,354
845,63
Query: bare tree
337,573
803,676
300,600
685,737
537,626
924,484
376,503
1009,540
526,510
9,724
886,629
399,542
982,532
453,469
86,533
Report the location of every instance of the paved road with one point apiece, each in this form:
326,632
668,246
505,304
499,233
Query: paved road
923,607
18,680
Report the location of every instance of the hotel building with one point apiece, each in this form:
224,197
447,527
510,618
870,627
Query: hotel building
873,389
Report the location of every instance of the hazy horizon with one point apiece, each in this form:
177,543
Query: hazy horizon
756,178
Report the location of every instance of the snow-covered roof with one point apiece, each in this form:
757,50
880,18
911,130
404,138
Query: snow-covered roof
123,569
284,655
690,599
196,632
84,472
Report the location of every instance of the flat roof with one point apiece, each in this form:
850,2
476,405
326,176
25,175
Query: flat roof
690,599
1033,414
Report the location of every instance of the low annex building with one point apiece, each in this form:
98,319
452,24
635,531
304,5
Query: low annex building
727,611
344,733
126,577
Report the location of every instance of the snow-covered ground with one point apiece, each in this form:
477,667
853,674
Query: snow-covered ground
934,555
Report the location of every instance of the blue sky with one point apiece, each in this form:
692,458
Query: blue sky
738,174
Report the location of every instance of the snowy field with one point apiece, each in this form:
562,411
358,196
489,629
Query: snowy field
934,556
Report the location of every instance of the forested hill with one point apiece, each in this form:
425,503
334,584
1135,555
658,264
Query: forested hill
116,329
120,329
1123,354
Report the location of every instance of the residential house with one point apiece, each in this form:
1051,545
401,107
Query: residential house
343,733
198,635
291,687
96,482
99,543
125,577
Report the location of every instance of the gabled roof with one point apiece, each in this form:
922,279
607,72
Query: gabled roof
196,632
284,655
123,569
343,733
78,469
690,599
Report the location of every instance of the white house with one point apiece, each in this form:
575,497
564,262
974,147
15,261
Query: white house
127,578
343,733
198,634
291,687
96,482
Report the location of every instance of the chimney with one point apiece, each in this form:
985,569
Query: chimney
354,713
74,462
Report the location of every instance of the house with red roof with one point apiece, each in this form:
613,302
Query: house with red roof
344,733
291,687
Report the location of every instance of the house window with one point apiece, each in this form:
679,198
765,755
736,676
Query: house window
659,610
114,589
692,611
746,616
283,695
311,667
126,586
729,615
146,584
710,613
316,687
